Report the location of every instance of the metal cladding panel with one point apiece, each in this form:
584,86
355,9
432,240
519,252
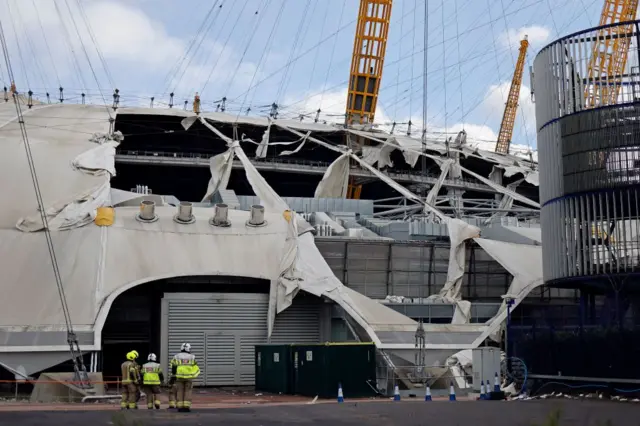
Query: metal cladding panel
223,330
367,269
334,253
550,162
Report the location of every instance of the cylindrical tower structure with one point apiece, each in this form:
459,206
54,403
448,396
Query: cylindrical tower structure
589,153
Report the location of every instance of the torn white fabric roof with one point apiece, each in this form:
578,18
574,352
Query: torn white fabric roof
335,181
261,150
220,166
288,282
524,262
301,256
100,159
54,146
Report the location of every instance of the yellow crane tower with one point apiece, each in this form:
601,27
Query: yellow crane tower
609,53
369,48
510,110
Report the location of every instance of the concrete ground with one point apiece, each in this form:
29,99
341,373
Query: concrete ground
362,413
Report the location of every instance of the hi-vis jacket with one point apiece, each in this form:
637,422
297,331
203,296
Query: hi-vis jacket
151,374
130,373
184,366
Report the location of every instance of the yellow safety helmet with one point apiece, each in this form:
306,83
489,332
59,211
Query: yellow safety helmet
131,356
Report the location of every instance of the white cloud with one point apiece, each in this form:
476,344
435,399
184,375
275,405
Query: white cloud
537,36
496,98
127,33
122,31
332,104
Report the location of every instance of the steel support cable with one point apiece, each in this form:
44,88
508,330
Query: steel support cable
425,88
333,49
553,20
513,61
46,42
74,60
395,112
224,46
36,61
15,34
267,50
455,2
86,54
306,52
204,35
262,55
315,58
95,43
413,48
432,71
520,9
444,66
482,97
36,187
504,51
284,82
216,37
175,68
259,13
434,30
468,59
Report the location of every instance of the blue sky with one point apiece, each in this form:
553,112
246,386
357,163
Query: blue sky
296,53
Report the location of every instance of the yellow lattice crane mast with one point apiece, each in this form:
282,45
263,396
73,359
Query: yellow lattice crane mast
609,53
368,58
369,48
510,110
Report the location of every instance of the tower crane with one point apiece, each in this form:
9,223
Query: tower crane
369,47
510,110
609,53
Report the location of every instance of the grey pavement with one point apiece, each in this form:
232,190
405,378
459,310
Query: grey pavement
467,413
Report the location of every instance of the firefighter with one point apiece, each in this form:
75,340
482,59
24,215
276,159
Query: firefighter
130,382
151,380
184,369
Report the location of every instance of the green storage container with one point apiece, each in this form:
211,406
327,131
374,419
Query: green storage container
274,368
318,369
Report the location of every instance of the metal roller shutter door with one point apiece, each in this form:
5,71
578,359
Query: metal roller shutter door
299,323
224,328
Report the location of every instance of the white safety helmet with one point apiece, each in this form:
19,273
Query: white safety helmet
186,347
152,357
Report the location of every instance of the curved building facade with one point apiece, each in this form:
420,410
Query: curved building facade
587,100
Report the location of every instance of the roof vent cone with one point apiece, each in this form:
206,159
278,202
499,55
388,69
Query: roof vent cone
256,216
185,215
221,216
147,212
